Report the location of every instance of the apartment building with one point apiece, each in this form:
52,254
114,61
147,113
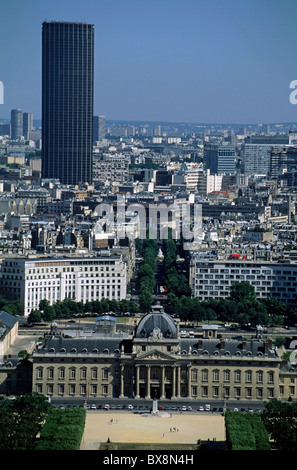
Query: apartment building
111,168
213,279
56,278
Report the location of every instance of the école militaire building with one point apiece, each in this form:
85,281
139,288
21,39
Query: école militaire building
155,362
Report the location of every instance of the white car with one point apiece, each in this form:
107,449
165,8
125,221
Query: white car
130,407
106,407
184,408
93,407
201,408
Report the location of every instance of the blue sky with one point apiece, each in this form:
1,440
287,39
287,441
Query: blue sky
220,61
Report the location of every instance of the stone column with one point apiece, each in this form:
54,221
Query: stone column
189,381
178,381
163,383
137,381
173,383
122,381
148,384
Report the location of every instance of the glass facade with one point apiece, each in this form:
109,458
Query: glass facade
67,101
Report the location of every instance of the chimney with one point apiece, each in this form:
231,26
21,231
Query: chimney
244,345
267,345
200,343
223,343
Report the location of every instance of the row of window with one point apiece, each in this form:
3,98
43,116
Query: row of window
238,375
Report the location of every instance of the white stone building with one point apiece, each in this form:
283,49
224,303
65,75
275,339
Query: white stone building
56,278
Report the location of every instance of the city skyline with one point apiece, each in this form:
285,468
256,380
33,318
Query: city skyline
171,61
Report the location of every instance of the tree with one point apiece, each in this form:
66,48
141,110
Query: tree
21,421
280,420
242,291
35,316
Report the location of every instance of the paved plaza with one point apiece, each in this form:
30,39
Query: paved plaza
169,428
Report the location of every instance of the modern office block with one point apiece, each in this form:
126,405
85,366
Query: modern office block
27,124
16,124
256,153
67,101
81,279
213,279
98,128
219,159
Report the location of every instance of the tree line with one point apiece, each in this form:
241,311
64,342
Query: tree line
242,306
67,308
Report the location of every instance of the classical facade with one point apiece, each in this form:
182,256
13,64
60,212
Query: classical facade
155,362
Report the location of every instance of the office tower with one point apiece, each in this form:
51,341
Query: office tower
98,128
16,124
283,165
219,159
157,131
67,101
255,153
27,124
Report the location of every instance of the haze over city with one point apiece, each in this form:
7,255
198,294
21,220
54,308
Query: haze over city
165,60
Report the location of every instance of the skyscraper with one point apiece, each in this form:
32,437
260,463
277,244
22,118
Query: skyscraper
16,123
27,124
67,101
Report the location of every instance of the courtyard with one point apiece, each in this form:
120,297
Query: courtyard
168,428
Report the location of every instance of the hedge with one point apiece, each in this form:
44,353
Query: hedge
245,432
63,430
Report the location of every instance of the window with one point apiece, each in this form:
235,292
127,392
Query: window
259,376
248,376
205,375
204,391
237,376
194,375
270,377
227,376
216,375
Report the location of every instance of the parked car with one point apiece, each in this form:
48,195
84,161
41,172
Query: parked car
207,407
106,407
130,407
201,408
189,408
93,407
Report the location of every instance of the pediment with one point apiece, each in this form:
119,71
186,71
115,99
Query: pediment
155,354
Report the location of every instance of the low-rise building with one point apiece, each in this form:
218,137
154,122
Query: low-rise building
156,362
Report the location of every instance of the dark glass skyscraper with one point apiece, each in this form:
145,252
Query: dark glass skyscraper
67,101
